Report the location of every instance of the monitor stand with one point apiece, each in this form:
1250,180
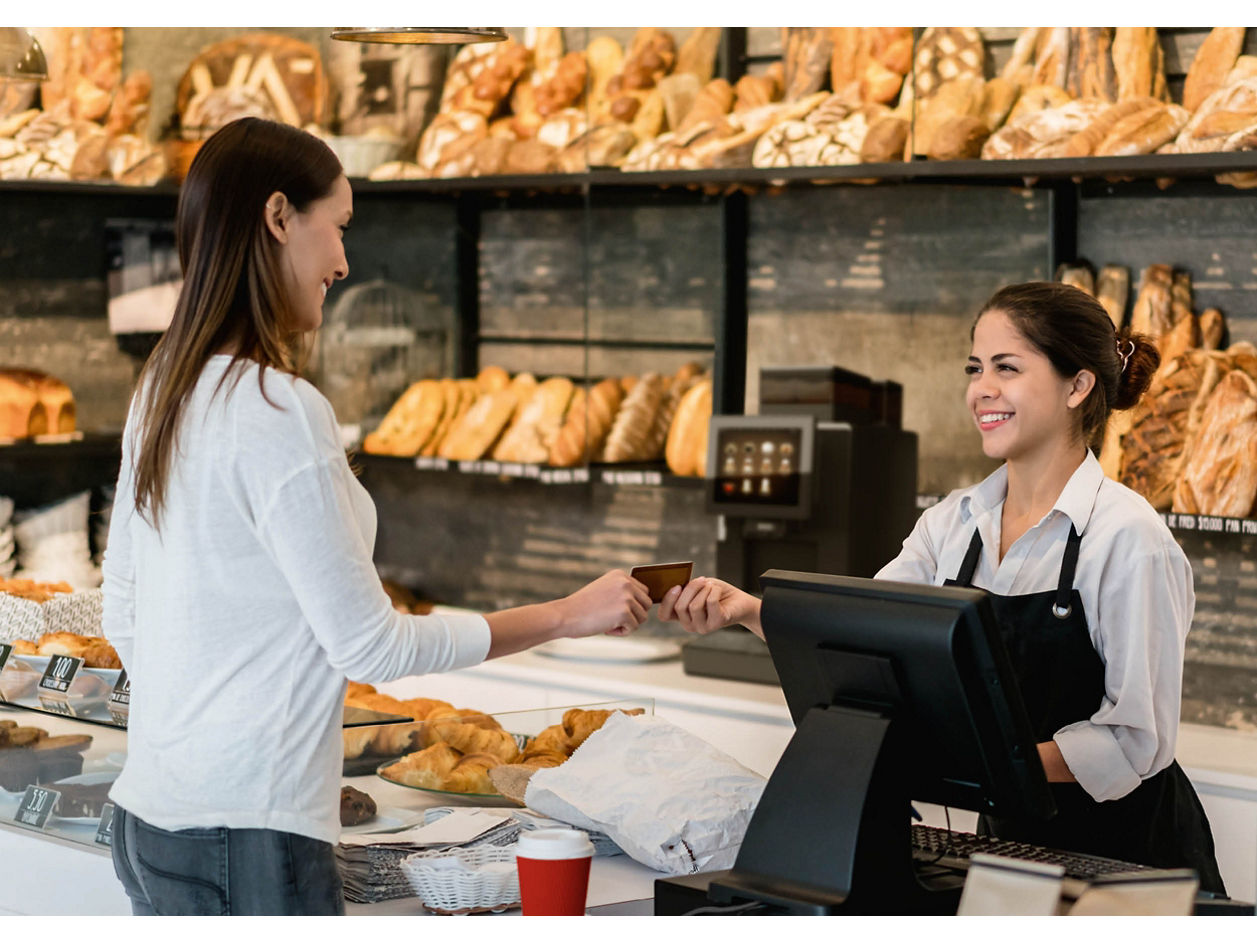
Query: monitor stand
831,832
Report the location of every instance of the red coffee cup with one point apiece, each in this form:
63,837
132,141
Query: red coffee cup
553,868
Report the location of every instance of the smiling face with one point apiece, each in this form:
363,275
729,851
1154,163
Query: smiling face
312,249
1021,404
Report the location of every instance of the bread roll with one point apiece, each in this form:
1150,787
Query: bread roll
22,414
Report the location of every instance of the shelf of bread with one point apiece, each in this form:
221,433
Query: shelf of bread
1190,444
850,102
550,430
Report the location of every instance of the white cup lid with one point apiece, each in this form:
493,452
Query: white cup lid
554,844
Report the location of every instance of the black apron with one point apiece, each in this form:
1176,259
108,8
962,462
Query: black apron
1161,823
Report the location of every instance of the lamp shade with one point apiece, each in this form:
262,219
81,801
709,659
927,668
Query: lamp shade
20,55
420,34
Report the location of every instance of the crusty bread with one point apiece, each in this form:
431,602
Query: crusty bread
21,412
630,435
536,423
1085,142
1212,328
411,421
1220,475
1112,291
686,449
1143,132
1212,64
588,423
1139,63
55,396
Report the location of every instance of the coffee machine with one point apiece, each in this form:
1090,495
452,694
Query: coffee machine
823,480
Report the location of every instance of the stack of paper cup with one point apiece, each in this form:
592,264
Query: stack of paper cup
8,545
553,871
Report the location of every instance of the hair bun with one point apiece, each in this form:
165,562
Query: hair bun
1141,359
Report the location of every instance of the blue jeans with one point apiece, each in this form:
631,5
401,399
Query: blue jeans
224,871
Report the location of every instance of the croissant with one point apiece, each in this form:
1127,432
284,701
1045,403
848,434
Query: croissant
552,739
358,690
542,759
380,702
425,769
395,739
357,738
471,775
580,724
474,717
470,739
424,708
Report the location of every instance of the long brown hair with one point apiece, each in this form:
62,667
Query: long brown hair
233,294
1074,332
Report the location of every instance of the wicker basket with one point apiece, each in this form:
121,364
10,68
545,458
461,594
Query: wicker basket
465,879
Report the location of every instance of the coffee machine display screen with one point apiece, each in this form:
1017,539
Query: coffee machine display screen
758,466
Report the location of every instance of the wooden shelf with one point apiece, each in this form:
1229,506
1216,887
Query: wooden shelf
1143,166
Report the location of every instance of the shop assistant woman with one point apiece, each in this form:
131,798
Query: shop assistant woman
1093,595
239,585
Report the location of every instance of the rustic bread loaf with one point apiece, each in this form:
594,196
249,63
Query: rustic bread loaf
1219,476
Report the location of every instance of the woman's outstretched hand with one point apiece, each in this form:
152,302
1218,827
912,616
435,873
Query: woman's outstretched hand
704,604
615,603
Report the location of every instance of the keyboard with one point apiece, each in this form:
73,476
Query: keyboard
954,848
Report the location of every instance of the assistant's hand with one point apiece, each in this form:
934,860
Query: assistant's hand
704,604
614,603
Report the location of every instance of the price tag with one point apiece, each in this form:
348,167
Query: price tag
53,704
121,693
104,832
60,673
36,807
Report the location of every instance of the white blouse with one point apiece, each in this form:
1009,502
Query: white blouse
1137,595
239,621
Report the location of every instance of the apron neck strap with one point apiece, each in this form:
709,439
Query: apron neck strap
1064,586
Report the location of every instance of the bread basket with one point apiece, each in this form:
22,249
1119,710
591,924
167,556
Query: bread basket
464,880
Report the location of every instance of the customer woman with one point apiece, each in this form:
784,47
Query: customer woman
1093,594
239,585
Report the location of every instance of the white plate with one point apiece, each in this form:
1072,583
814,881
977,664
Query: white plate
608,650
386,819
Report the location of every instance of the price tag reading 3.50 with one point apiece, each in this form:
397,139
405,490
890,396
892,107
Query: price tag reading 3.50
36,807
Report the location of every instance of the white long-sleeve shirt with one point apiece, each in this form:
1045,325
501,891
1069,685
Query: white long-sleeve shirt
239,620
1137,594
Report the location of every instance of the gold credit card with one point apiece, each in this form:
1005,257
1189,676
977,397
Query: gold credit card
661,577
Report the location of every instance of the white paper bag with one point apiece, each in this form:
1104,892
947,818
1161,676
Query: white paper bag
668,799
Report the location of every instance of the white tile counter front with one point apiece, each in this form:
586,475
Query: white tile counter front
748,721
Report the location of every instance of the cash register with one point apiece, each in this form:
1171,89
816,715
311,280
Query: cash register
823,480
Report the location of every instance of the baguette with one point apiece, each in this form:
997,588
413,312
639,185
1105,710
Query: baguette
1112,290
1144,131
1212,64
1139,63
1085,142
686,449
